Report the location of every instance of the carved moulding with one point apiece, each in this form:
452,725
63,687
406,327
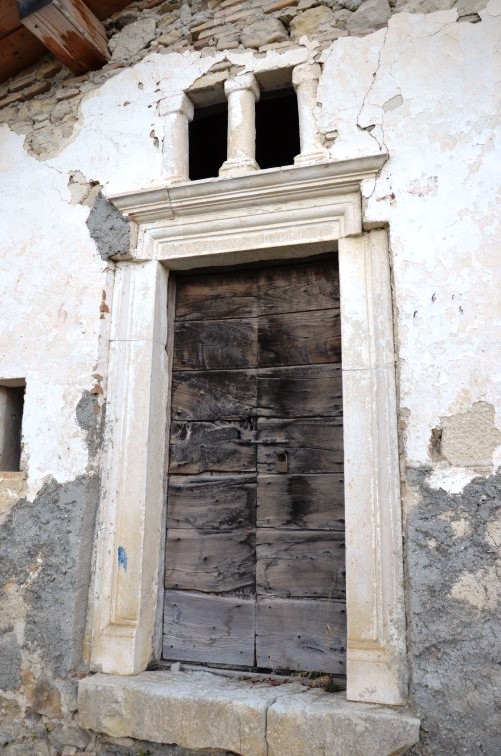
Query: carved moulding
288,212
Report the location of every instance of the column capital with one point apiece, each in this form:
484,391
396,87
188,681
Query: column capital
176,103
245,81
305,73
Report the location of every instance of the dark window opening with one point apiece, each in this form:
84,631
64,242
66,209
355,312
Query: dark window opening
208,141
11,417
277,129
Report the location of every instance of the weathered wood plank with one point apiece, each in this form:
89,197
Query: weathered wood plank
300,391
70,31
215,344
209,562
211,502
217,296
313,445
208,628
9,16
221,447
309,636
296,564
300,287
300,501
214,395
300,338
19,50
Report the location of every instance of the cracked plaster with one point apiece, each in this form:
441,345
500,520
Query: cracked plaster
437,192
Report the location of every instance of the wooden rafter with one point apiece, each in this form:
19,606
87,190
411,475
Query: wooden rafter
69,29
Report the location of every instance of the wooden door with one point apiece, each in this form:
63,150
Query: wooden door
255,519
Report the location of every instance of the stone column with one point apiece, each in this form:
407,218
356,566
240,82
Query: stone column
242,93
305,81
177,112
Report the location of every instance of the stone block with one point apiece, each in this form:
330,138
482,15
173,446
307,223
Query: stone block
46,697
132,39
318,723
309,22
68,735
263,33
372,14
423,6
197,710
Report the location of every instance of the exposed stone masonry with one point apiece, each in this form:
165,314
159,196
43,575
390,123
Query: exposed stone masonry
43,101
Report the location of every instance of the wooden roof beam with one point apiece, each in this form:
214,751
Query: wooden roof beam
69,30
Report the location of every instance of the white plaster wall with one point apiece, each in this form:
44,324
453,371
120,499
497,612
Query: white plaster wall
427,84
428,90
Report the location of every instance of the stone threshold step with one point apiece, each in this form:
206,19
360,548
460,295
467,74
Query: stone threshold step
204,710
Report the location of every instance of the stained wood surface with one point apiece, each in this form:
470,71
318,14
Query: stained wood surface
214,503
72,33
312,445
18,50
208,628
256,373
209,562
214,395
301,502
300,338
223,447
217,296
298,288
289,392
303,635
215,344
9,16
296,563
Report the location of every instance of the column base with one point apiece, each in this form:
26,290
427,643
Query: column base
320,156
238,167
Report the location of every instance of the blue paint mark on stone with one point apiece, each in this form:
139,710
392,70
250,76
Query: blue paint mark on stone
122,558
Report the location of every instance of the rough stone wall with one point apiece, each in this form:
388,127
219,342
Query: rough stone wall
420,87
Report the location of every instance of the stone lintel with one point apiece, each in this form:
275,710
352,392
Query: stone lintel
205,710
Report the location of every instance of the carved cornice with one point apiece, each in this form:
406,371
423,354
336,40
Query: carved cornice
292,205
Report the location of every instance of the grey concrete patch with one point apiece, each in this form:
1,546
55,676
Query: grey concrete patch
46,548
109,229
455,643
90,417
10,661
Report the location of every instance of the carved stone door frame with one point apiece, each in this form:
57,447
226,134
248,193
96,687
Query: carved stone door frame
280,213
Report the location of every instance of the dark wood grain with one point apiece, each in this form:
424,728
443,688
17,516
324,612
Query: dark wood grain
197,447
18,50
314,391
216,503
294,563
300,338
209,562
301,502
214,395
217,296
208,628
303,635
298,288
215,344
313,445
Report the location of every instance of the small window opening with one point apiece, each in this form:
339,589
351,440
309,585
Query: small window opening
277,129
11,416
208,131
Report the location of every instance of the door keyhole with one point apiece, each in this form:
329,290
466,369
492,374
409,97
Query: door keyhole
282,462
